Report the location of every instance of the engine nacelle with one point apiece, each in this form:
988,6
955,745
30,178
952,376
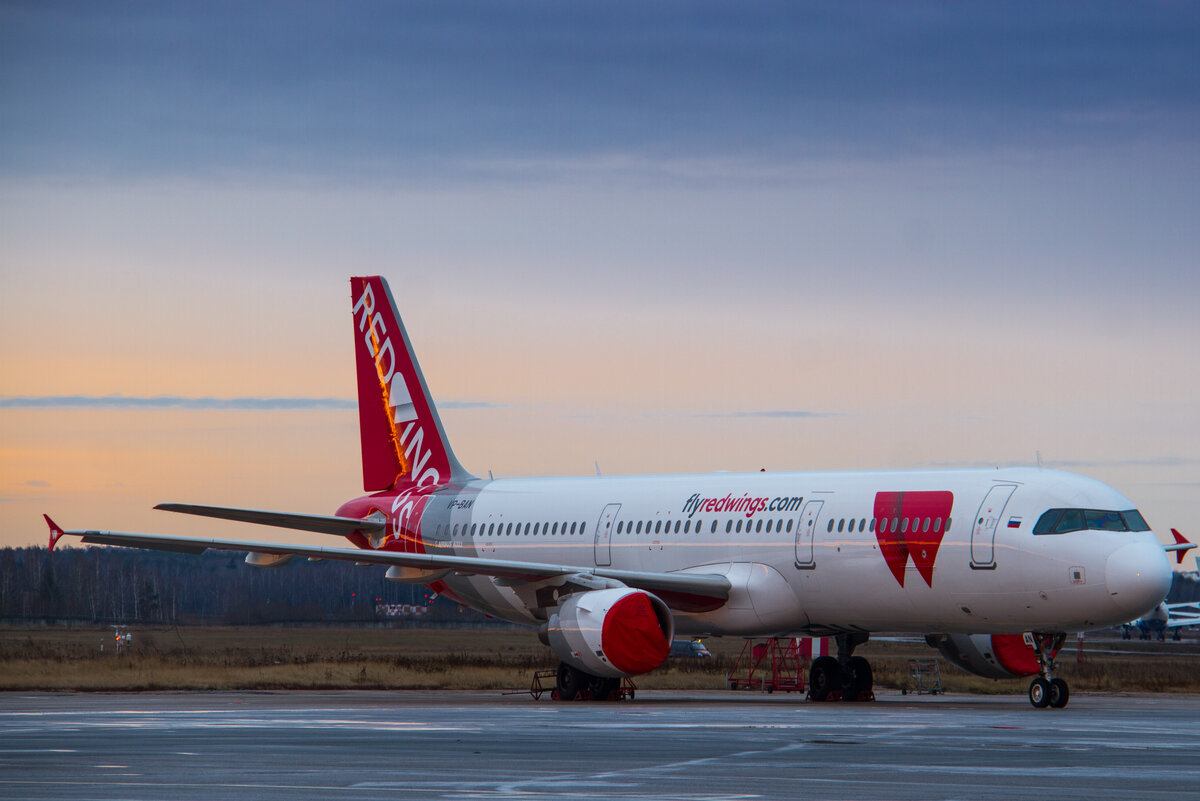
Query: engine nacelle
612,633
993,656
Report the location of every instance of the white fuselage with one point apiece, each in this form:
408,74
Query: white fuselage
806,552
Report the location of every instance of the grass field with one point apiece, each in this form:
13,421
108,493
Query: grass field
228,658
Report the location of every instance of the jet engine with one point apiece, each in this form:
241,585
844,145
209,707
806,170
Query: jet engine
611,633
993,656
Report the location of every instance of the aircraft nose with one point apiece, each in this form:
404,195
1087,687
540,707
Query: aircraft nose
1138,577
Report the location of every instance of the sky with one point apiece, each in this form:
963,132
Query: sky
664,237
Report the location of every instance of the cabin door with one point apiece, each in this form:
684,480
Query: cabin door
983,527
805,530
604,532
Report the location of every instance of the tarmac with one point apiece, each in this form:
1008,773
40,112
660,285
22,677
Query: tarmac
663,745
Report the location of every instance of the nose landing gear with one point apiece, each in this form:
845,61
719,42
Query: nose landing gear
1045,690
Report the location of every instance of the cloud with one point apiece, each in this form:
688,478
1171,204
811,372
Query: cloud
37,483
793,414
173,402
368,88
205,403
1157,461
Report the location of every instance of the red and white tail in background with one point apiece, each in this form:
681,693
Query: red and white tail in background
403,441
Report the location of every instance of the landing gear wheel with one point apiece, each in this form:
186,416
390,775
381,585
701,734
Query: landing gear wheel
859,680
1059,694
570,681
824,677
601,689
1039,693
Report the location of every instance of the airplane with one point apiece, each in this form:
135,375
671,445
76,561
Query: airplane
610,569
1164,617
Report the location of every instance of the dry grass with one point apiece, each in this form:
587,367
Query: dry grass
271,658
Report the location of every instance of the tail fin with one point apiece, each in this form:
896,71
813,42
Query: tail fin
402,436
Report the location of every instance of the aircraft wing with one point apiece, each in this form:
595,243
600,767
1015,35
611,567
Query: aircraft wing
1184,614
684,590
321,524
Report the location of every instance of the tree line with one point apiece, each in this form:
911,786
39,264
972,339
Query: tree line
125,585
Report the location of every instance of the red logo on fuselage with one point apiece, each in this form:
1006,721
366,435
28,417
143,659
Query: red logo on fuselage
911,524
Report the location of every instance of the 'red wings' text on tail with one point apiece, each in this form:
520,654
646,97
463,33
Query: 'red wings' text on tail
403,441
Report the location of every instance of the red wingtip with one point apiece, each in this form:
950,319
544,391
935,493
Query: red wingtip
1180,540
55,531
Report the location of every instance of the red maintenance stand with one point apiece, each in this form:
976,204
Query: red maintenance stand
774,663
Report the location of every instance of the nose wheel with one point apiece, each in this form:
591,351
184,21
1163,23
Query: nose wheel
1045,690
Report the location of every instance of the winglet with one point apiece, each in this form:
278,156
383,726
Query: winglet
1182,546
55,531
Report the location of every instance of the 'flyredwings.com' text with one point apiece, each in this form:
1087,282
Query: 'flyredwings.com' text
743,503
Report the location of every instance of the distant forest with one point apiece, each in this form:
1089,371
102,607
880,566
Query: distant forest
125,585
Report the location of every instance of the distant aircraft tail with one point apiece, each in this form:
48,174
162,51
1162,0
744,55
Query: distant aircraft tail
402,436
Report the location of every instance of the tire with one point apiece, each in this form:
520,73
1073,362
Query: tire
1059,694
824,677
859,680
569,682
1039,693
601,689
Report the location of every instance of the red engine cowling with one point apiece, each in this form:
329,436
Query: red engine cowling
612,633
993,656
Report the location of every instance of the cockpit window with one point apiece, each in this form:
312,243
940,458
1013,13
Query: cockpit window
1135,521
1063,521
1105,521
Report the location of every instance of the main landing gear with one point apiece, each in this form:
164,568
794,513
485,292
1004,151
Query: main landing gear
571,683
1045,690
842,678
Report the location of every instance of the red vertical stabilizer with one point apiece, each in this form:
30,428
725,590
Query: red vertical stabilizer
402,437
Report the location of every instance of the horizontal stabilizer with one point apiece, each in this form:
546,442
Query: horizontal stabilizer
322,524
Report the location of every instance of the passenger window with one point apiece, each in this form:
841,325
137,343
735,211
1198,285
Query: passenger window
904,526
657,526
895,525
582,528
937,524
714,527
769,522
639,527
829,528
677,523
789,526
728,526
619,526
871,527
925,525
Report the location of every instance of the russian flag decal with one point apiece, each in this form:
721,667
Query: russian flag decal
1014,522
